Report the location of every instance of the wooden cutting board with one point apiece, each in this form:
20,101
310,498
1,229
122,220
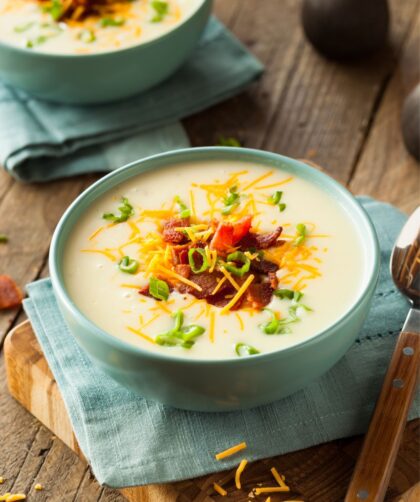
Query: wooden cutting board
317,474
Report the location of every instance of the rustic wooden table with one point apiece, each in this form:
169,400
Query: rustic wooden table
343,117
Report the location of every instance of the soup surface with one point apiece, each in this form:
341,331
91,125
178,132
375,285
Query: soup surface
48,26
214,259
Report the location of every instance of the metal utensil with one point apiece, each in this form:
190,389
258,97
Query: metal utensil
374,466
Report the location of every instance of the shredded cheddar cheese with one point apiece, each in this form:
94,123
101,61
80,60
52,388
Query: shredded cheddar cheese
230,451
211,327
221,491
100,251
271,489
180,278
238,295
240,320
239,471
277,477
230,278
138,332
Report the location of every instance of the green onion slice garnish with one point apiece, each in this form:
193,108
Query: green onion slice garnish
191,260
301,233
125,209
231,141
54,9
235,257
161,10
275,200
231,200
109,21
3,239
24,27
158,289
184,211
243,349
184,336
86,36
128,265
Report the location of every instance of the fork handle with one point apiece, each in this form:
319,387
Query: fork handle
374,466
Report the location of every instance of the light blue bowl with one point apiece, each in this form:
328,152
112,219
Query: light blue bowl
106,76
225,384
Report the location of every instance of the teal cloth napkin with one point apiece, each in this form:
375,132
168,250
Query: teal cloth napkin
40,141
131,441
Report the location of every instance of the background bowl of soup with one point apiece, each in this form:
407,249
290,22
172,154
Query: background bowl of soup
97,60
219,373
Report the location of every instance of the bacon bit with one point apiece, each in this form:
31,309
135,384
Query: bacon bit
223,237
180,254
228,234
184,270
170,234
241,228
10,295
260,241
273,280
207,283
264,266
259,295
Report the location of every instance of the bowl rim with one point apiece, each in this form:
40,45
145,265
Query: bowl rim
123,50
370,245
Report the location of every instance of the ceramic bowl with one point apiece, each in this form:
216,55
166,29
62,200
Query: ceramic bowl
106,76
225,384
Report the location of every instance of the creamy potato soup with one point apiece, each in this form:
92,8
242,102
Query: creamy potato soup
84,27
214,260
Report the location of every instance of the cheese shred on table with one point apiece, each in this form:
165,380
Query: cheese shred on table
278,477
230,451
238,473
272,489
221,491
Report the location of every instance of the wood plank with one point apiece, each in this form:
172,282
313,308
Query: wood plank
320,473
304,105
31,214
386,170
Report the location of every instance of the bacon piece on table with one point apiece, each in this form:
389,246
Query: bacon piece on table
10,295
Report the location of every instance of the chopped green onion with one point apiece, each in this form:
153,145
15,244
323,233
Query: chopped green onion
128,265
238,256
109,21
229,142
23,27
161,10
277,326
179,319
242,349
284,293
41,39
158,289
204,265
185,212
184,336
231,200
3,239
275,200
125,209
301,233
55,9
86,36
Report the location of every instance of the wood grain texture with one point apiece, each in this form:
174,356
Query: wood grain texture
385,169
299,107
380,448
318,474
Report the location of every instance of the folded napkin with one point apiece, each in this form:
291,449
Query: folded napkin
40,141
131,441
